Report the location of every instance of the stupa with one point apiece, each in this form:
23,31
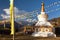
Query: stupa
44,28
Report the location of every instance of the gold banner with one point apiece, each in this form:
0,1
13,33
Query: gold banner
12,16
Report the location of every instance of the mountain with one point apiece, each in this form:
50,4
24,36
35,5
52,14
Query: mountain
20,24
55,21
26,23
7,28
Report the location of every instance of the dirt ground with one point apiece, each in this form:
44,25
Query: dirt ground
26,37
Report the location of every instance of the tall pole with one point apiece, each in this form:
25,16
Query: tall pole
12,17
4,25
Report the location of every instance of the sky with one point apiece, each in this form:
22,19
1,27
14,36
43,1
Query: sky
28,9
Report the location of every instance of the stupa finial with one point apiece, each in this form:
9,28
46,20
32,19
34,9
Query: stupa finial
42,9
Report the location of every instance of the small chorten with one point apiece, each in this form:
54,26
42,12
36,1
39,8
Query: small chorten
43,27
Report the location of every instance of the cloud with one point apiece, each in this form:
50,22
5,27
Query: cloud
5,16
6,11
19,14
31,20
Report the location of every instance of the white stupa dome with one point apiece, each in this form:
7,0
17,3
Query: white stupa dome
43,18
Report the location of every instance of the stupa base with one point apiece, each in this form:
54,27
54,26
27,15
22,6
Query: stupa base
43,34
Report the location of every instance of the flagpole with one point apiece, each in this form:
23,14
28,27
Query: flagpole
12,17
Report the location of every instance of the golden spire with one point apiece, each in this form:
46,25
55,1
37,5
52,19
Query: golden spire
42,9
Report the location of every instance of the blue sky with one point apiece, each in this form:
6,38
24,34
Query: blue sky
52,7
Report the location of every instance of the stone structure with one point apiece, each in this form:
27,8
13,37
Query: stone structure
43,27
